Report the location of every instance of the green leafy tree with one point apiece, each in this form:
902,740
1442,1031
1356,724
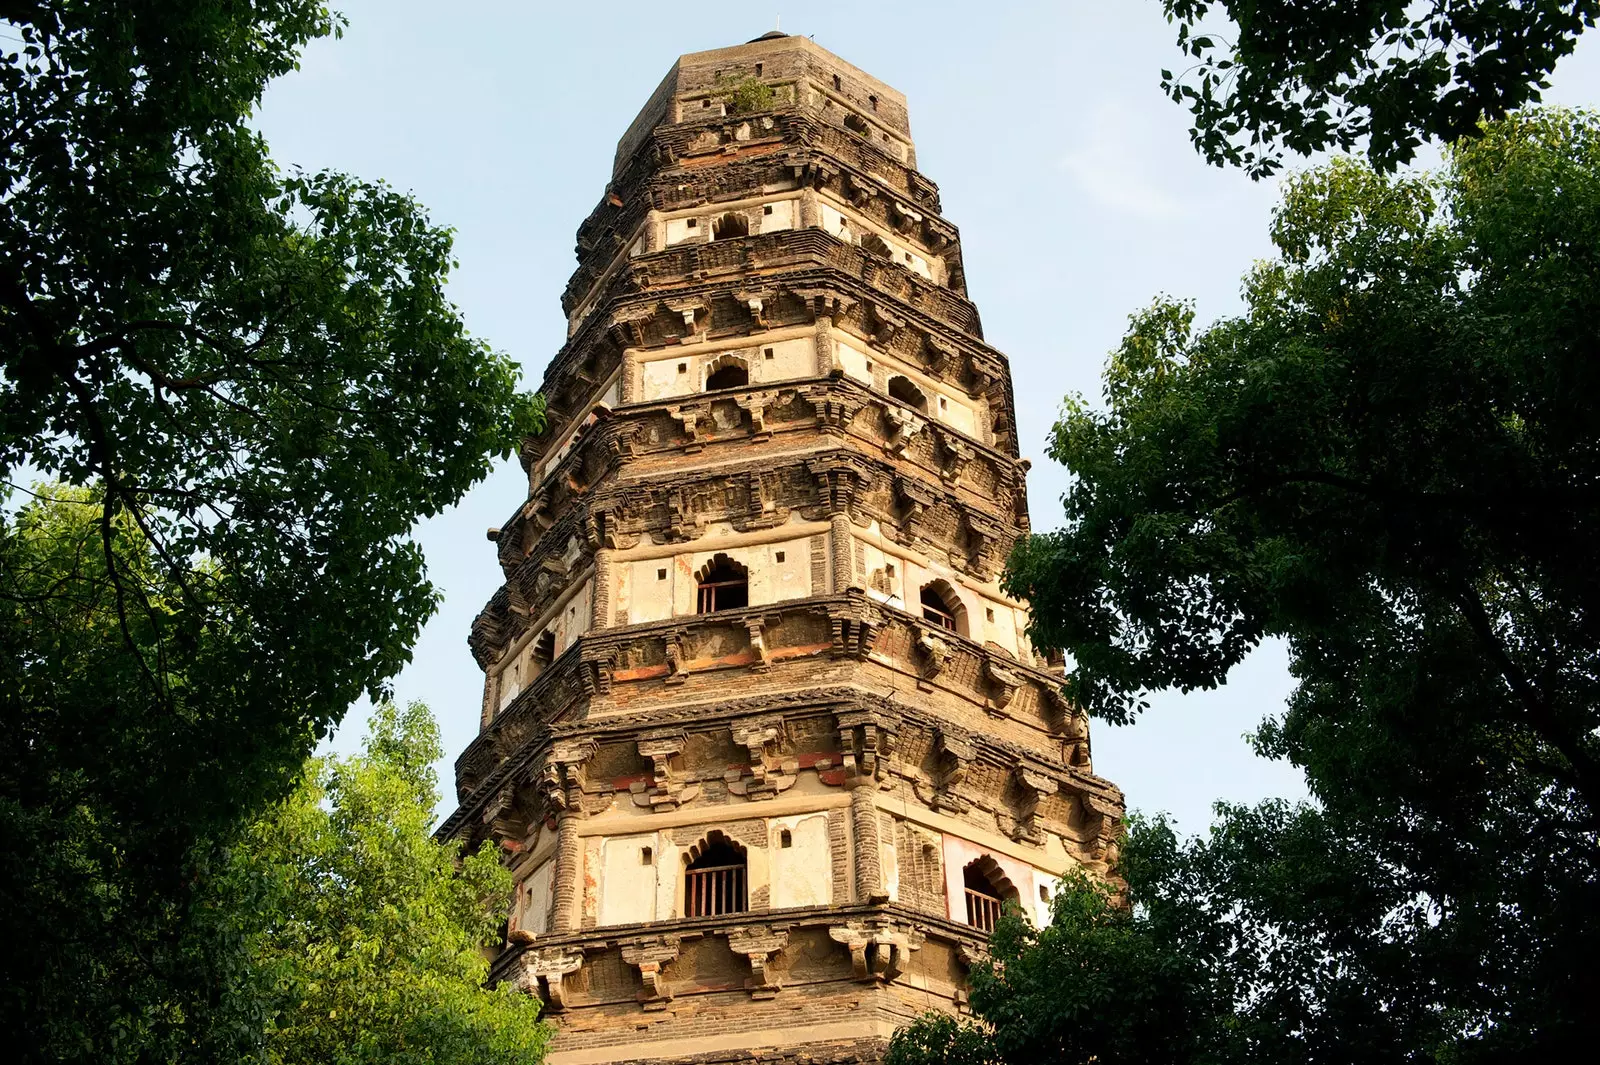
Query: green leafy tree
258,379
1304,75
745,96
367,934
1390,461
1274,939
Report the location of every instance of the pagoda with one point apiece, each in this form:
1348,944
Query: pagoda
763,741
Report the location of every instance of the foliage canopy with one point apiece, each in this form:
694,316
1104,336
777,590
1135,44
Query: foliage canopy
746,96
1389,460
367,932
257,386
1305,75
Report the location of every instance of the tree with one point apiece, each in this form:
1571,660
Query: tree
258,379
1305,76
1390,461
366,933
1272,940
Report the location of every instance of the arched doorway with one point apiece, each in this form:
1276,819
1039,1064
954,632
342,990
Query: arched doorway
727,372
942,606
731,225
987,891
723,584
902,389
714,880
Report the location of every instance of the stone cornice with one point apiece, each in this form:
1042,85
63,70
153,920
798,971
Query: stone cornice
717,139
744,176
560,701
883,430
649,320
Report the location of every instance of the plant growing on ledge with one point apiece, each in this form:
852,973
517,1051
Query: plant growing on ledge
746,95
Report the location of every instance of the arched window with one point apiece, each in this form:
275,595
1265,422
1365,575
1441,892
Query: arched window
987,891
856,124
876,246
731,225
942,606
544,651
724,585
902,389
727,372
714,881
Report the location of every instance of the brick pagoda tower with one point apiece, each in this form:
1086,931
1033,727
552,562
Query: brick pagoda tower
763,742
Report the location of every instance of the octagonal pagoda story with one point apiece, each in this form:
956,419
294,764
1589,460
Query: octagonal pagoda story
763,740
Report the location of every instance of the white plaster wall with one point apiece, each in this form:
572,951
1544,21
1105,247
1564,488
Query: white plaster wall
802,873
678,230
533,896
889,865
783,360
903,589
833,221
645,589
955,413
874,369
776,216
790,357
1005,629
959,853
1044,891
771,580
662,378
850,228
626,881
885,575
854,359
510,680
574,617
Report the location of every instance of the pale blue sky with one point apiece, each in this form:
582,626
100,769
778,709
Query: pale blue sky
1069,174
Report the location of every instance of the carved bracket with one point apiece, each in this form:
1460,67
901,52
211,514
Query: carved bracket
935,651
650,957
878,951
677,663
953,752
769,773
599,667
559,777
665,791
903,427
508,822
1003,684
867,740
759,944
756,404
957,453
541,974
688,415
757,628
1034,786
1071,726
854,635
913,499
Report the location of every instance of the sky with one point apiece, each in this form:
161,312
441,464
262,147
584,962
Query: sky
1069,174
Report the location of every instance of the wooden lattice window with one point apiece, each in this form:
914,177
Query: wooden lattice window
724,585
986,899
940,608
714,883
